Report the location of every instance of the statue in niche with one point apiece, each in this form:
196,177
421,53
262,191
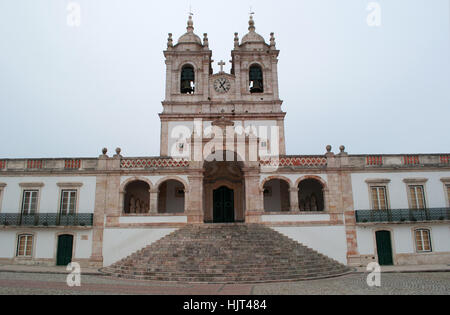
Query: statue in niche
138,206
132,206
314,203
308,204
145,207
302,205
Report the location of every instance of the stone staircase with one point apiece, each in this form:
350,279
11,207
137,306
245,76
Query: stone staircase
226,253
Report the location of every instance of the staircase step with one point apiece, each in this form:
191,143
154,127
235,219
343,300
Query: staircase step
225,253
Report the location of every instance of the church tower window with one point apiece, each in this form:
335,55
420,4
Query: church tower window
256,79
187,85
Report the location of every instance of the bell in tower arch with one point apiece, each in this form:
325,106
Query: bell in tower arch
256,79
187,84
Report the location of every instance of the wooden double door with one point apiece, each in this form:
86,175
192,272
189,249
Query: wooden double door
223,205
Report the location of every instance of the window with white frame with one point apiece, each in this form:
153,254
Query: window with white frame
24,245
379,198
423,241
29,201
417,197
68,201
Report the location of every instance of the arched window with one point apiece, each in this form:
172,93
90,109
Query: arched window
187,84
256,79
276,195
171,197
137,197
310,195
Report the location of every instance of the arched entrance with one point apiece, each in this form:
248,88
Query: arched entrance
276,195
311,195
223,191
137,197
223,209
171,196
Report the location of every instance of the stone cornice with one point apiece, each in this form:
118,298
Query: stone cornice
221,102
237,116
415,180
31,185
378,181
69,184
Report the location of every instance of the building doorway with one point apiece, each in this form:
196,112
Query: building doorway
65,248
223,201
384,248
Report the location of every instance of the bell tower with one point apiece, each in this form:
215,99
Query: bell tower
248,95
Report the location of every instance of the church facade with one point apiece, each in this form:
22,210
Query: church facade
223,160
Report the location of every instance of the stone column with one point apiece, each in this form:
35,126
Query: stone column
293,199
153,200
194,209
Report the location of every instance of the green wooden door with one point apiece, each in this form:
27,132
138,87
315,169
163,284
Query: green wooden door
64,253
384,248
223,205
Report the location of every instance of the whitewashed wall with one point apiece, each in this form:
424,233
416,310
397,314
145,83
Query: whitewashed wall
397,189
49,193
402,236
328,240
119,243
45,243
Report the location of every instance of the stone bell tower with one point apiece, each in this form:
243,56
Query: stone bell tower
248,95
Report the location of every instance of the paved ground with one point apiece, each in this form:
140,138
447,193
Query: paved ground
391,283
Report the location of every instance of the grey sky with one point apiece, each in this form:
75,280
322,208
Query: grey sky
68,91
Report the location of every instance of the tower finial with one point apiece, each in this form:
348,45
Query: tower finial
190,23
251,23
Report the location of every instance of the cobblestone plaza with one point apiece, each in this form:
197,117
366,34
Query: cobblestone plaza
425,283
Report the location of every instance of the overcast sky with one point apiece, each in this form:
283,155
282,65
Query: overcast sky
69,91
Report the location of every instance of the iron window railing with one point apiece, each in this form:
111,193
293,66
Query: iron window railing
46,219
402,215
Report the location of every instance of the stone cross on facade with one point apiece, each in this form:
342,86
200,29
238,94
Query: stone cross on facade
221,64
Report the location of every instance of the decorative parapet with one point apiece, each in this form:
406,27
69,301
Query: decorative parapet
153,163
301,161
374,160
411,160
34,164
72,164
445,159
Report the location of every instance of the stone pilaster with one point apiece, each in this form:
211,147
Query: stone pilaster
99,218
194,208
164,150
254,202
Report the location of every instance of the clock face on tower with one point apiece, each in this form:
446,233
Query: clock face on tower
222,85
